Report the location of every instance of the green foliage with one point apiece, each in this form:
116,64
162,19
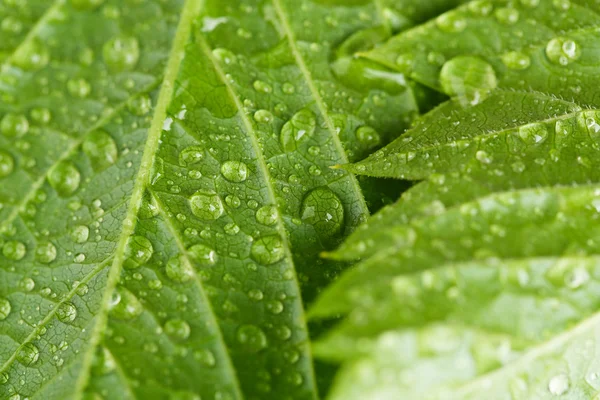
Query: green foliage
177,186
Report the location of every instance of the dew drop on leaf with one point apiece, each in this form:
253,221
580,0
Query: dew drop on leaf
32,56
323,209
79,87
121,53
104,362
451,22
516,60
101,149
206,357
368,136
177,329
206,205
481,8
507,15
14,125
28,354
562,5
234,171
14,250
5,308
202,254
268,250
469,79
251,338
140,105
558,384
299,128
191,155
138,251
149,207
178,270
263,116
66,312
533,133
267,215
80,234
7,164
562,51
45,253
64,178
124,305
27,284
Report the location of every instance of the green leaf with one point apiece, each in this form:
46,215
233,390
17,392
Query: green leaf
546,46
165,192
480,281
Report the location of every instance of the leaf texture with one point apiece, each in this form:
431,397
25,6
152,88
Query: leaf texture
165,192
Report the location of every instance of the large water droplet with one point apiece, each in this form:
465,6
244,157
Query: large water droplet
516,60
45,253
234,171
7,164
251,338
469,79
268,250
14,250
451,22
14,125
138,251
124,305
64,178
323,209
206,205
80,234
562,51
267,215
179,270
121,53
66,312
298,129
177,329
203,254
5,308
28,354
368,136
559,384
101,148
533,133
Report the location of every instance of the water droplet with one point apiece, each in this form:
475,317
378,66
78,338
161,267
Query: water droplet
288,88
299,128
267,215
138,252
79,88
28,354
80,234
323,209
140,105
45,253
469,79
507,15
562,5
251,338
5,308
206,357
179,270
33,55
64,178
481,8
562,51
14,125
255,294
274,306
177,329
14,250
121,53
234,171
263,116
559,384
516,60
206,205
66,312
101,149
203,254
268,250
451,22
263,87
191,155
483,157
27,284
149,208
533,133
7,164
124,305
368,136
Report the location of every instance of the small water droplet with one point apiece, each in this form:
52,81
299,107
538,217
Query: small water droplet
179,270
7,164
191,155
261,86
66,312
64,178
562,51
469,79
14,125
206,205
101,149
451,22
5,308
267,215
516,60
203,254
138,252
533,133
14,250
268,250
558,385
121,53
323,209
368,136
234,171
79,87
177,329
507,15
28,354
45,253
124,305
299,128
80,234
251,338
